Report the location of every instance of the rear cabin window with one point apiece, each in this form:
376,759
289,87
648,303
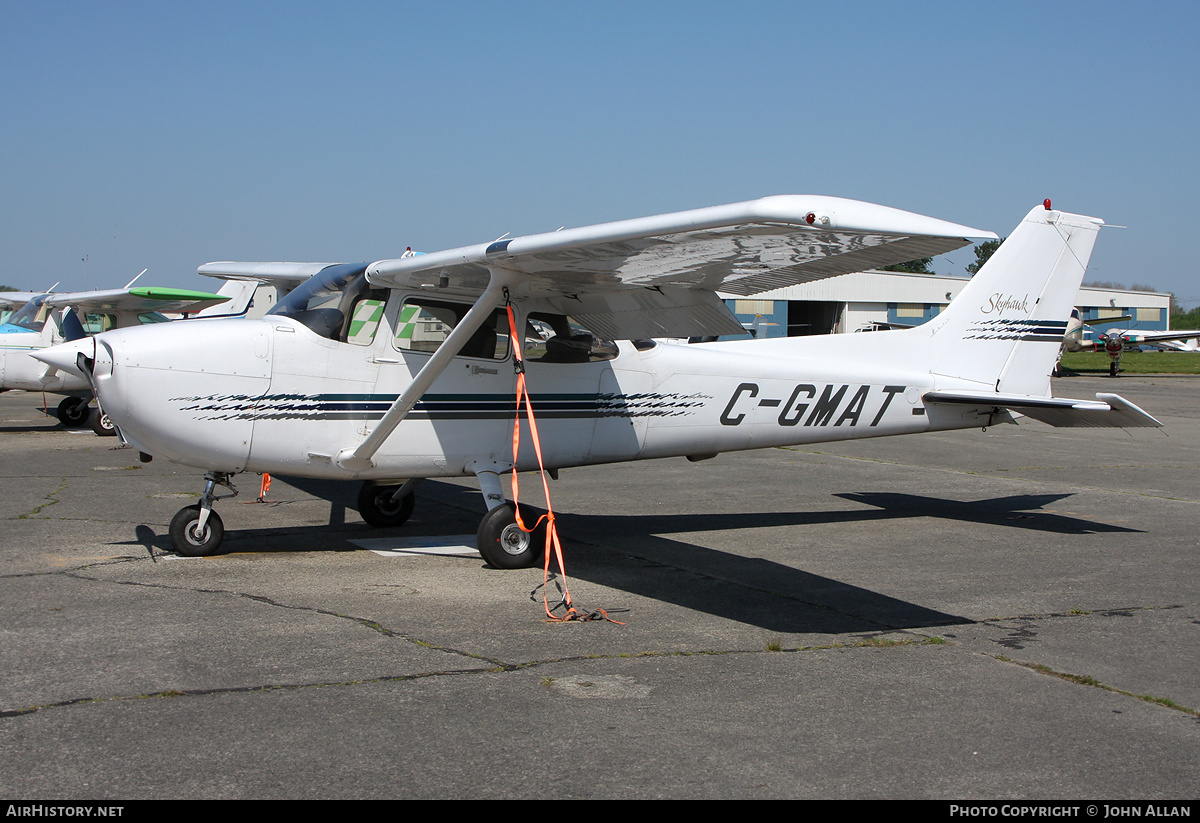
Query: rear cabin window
95,322
557,338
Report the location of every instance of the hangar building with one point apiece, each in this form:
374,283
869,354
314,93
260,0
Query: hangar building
860,301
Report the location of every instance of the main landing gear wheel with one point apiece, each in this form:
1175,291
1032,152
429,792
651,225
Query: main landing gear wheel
101,424
504,544
73,412
188,540
380,507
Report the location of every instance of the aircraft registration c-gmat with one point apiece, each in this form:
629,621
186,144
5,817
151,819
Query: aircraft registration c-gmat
403,369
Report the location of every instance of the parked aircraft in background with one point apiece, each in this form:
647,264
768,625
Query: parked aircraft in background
48,319
1192,344
403,369
1114,341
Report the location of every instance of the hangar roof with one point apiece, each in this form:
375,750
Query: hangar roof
904,287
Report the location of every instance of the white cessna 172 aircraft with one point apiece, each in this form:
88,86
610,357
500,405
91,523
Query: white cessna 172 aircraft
403,369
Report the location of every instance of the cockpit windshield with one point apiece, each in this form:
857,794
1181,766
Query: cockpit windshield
322,302
32,316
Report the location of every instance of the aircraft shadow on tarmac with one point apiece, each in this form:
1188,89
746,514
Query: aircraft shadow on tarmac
26,428
1018,511
49,424
634,557
780,597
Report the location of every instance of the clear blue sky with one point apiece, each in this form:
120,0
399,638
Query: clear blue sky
166,135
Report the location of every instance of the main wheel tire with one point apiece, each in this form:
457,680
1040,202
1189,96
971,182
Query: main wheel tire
378,508
185,538
101,424
73,412
504,544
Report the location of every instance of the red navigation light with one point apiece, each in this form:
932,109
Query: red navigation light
810,218
1046,203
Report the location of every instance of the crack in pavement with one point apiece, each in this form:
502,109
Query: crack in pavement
367,623
51,499
500,667
909,637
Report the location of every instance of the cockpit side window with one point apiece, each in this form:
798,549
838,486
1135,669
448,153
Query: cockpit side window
325,301
423,325
32,315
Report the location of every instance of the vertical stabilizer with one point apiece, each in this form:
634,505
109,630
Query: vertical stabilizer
239,294
1005,328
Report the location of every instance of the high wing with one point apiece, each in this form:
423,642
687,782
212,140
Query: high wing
137,299
658,276
17,299
284,276
1104,321
1152,337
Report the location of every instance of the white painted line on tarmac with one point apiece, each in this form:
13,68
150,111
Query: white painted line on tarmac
454,545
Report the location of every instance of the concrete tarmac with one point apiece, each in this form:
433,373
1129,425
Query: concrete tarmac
971,615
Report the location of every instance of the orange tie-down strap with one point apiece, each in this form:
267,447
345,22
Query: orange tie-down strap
262,490
552,541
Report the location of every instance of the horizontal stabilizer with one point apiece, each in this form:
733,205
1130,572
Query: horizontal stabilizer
1107,410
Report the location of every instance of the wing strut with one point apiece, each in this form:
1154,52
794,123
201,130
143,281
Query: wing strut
362,457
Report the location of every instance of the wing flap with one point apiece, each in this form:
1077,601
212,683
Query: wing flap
1107,410
639,314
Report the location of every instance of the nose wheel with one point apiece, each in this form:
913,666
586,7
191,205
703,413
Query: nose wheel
73,412
197,530
191,539
101,423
